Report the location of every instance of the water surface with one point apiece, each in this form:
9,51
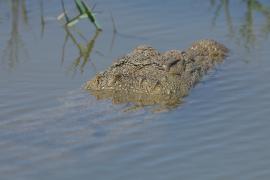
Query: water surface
50,128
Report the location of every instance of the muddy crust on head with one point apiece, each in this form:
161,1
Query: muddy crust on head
210,49
161,77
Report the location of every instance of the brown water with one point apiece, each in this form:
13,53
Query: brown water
50,128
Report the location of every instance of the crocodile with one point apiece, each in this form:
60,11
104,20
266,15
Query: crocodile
146,76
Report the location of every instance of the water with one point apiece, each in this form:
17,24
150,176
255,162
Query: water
50,128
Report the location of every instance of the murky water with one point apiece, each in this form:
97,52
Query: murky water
50,128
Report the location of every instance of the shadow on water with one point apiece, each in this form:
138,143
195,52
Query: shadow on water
246,33
15,48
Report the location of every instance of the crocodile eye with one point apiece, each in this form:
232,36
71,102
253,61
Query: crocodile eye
97,80
114,79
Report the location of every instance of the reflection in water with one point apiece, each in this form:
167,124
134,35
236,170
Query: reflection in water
120,34
15,46
246,32
24,12
42,19
84,50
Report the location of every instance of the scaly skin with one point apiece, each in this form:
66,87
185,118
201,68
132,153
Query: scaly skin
146,76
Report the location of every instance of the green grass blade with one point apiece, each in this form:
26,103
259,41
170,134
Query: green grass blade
72,22
64,11
83,16
90,15
80,7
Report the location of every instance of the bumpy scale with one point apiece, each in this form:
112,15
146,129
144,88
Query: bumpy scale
146,76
